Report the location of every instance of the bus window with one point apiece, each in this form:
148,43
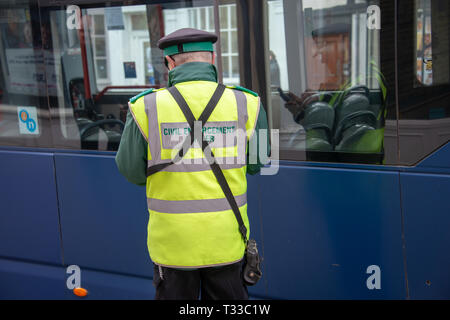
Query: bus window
424,52
202,17
429,39
329,93
424,79
121,50
24,114
109,54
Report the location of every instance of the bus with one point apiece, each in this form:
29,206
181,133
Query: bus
356,90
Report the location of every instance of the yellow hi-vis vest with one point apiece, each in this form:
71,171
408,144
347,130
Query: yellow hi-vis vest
191,223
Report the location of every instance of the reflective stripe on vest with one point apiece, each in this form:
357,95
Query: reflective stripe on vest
155,138
191,224
194,206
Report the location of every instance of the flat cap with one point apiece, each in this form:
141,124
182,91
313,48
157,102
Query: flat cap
187,40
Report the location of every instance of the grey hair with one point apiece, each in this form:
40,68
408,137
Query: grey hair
197,56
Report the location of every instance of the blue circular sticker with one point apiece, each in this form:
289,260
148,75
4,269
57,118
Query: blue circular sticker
25,118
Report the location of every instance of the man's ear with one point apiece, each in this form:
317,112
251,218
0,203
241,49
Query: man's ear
213,57
170,63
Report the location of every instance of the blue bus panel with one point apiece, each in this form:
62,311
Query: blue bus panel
29,222
103,217
357,91
427,219
323,227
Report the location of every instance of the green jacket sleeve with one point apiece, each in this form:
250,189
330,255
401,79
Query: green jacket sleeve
131,158
261,124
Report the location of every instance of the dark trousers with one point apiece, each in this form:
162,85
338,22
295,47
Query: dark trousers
214,283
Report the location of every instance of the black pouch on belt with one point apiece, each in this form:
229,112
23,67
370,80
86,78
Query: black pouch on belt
252,268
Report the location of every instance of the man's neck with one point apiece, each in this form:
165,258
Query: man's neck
192,71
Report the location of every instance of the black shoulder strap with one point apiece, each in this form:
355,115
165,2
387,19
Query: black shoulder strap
228,194
190,119
214,165
218,93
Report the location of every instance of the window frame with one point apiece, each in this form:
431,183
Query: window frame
385,50
407,90
99,82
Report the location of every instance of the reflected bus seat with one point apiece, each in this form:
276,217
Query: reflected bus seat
98,135
356,122
317,118
96,132
349,122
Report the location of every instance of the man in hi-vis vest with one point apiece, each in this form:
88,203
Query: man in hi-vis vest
179,141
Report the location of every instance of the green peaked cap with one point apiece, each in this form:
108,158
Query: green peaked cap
187,40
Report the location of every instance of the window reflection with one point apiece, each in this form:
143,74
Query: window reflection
25,69
86,73
424,54
424,81
427,73
328,91
328,60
